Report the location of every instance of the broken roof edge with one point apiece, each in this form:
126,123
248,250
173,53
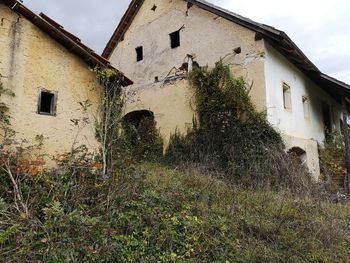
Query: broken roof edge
63,37
122,27
342,85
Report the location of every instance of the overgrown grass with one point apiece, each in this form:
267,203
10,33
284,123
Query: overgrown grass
238,196
154,214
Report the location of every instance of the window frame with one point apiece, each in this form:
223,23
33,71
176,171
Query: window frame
306,102
286,87
53,105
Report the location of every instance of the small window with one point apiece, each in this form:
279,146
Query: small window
175,39
287,96
306,108
47,102
139,53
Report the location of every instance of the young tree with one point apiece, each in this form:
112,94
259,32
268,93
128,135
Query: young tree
109,122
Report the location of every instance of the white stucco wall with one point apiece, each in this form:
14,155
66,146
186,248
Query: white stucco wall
297,131
171,105
292,122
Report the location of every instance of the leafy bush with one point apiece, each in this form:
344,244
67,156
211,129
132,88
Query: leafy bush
332,160
153,214
231,136
143,140
148,213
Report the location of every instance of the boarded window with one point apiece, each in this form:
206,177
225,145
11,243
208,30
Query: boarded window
175,39
139,53
47,101
287,96
306,108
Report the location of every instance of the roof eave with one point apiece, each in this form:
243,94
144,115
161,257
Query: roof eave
122,27
278,39
68,40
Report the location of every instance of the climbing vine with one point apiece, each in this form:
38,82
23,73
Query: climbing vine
229,132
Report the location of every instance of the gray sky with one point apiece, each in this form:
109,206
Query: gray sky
321,28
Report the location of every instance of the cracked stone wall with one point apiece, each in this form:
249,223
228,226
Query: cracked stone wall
30,60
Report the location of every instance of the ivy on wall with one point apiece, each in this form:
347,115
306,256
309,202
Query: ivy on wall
229,132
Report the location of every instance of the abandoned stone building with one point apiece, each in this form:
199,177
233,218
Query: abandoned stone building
49,71
157,42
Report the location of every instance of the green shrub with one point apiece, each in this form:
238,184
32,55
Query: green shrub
332,160
153,214
143,140
232,137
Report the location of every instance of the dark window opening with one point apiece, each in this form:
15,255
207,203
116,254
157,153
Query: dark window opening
327,118
154,7
47,103
141,134
238,50
139,53
175,39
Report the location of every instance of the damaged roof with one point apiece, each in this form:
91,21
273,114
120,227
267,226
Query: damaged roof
65,38
277,38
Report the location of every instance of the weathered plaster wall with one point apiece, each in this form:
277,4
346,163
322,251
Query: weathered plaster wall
292,122
204,36
298,130
310,147
172,105
208,38
30,60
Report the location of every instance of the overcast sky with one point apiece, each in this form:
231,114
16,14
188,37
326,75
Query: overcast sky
321,28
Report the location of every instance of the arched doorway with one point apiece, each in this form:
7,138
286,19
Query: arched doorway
142,136
299,154
135,117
